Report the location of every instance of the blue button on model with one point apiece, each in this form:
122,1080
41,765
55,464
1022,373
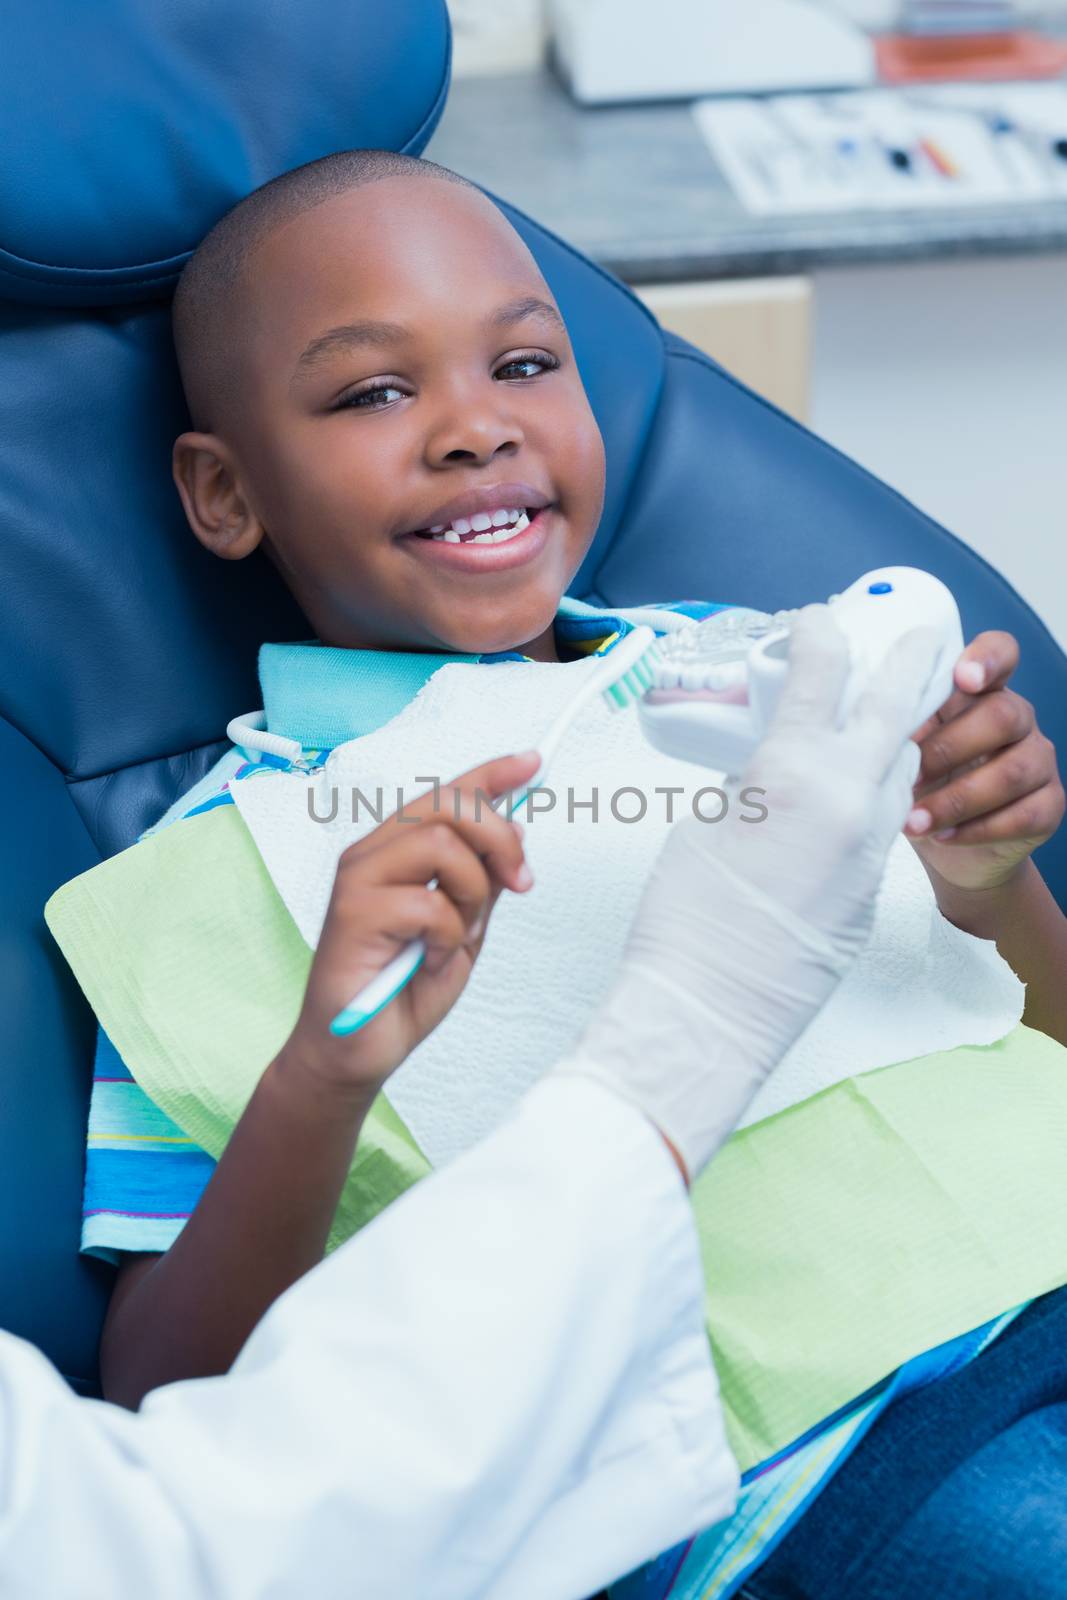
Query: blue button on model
879,588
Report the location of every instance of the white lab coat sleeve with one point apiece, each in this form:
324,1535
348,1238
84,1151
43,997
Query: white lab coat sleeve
501,1388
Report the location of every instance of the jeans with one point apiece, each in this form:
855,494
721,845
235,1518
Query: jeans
958,1492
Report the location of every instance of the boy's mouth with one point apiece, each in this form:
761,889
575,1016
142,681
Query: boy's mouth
481,552
487,530
492,513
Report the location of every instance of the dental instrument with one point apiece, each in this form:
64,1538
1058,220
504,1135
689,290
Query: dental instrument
621,678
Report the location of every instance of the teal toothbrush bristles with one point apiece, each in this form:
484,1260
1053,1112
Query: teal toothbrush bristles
634,683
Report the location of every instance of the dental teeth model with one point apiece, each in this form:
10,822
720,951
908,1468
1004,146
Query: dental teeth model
717,682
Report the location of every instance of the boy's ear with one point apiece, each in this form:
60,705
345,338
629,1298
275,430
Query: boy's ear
211,494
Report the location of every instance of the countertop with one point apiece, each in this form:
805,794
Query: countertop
637,188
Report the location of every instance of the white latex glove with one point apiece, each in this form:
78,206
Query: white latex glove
746,927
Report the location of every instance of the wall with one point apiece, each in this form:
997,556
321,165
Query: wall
949,380
496,35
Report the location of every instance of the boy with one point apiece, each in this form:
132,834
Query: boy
384,397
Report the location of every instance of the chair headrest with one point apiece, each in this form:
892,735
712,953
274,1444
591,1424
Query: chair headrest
128,127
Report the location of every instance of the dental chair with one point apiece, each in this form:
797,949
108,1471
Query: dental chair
126,129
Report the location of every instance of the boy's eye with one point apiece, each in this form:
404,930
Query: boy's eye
372,399
526,366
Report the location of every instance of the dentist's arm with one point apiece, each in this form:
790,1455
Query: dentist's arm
457,1402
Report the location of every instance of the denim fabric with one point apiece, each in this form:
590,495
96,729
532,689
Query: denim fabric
958,1492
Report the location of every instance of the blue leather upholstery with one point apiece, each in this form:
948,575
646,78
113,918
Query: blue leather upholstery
127,127
126,648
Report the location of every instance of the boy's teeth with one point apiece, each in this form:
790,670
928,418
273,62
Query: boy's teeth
495,535
483,528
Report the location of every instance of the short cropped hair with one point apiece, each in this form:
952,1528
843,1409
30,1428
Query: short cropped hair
207,302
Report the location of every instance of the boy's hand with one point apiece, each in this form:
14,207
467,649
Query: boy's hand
988,791
380,902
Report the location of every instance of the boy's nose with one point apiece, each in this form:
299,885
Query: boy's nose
473,435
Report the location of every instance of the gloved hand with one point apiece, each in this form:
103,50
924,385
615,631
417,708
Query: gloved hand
747,926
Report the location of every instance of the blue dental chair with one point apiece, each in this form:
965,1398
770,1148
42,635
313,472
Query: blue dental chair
126,129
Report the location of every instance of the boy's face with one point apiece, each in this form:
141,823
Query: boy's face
404,367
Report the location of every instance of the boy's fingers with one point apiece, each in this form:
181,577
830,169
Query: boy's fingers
953,707
375,920
499,776
987,662
492,778
444,931
432,850
470,814
1033,818
432,916
375,914
489,832
369,926
1005,778
987,725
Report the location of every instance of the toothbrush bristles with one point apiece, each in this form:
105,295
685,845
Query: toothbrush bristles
635,681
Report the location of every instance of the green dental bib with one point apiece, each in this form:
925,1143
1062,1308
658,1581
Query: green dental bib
841,1238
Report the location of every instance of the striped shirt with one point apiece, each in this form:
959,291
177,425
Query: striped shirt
143,1176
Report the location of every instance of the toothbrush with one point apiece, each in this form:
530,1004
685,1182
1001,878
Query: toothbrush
621,679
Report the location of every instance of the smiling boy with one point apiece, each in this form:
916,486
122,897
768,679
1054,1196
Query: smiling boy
385,400
348,406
